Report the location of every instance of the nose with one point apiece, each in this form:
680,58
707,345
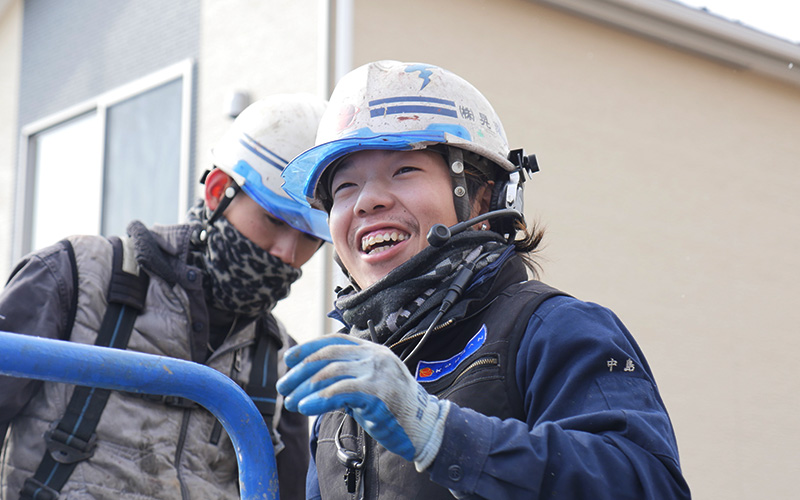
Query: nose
284,247
374,195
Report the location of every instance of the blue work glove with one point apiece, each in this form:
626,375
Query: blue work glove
371,383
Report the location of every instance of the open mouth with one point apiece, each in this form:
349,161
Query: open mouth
378,242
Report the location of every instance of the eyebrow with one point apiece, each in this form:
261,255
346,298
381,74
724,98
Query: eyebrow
343,164
341,167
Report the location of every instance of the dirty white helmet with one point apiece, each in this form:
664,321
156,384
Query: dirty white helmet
258,146
398,106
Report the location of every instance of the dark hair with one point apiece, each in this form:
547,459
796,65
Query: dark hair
528,246
324,187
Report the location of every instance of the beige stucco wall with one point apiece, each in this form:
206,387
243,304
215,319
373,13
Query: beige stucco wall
259,47
668,188
262,48
10,52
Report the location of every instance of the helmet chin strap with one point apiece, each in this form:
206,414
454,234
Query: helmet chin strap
507,191
200,236
460,194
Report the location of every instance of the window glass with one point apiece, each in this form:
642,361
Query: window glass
68,181
96,171
142,159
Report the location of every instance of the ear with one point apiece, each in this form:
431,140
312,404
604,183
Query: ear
482,201
216,183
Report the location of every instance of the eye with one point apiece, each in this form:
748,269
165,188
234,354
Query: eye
313,239
405,169
338,187
275,221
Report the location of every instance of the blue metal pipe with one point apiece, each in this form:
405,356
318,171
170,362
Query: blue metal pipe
72,363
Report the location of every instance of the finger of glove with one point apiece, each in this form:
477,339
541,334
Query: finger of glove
298,353
339,364
374,400
292,400
287,384
317,360
379,421
354,369
401,412
370,412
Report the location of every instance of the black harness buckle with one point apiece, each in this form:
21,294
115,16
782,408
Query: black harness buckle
35,489
67,448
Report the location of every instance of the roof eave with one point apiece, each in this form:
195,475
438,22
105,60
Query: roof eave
696,31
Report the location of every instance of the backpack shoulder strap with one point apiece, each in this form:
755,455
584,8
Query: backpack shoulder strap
261,386
72,439
264,372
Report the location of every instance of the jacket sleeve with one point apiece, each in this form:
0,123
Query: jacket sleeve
292,461
595,424
35,301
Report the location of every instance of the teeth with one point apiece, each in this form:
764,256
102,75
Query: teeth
374,239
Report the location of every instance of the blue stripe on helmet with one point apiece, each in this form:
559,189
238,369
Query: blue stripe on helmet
396,110
413,99
257,149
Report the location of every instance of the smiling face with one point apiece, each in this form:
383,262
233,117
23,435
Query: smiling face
384,203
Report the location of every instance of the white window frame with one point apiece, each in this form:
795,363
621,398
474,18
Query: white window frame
99,105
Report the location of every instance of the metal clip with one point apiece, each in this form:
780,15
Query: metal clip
352,460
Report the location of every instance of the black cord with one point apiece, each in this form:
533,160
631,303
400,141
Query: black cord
454,291
372,333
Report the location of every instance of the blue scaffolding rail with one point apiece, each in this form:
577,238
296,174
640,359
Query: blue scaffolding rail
79,364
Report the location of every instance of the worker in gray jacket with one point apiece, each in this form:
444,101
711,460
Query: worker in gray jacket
201,291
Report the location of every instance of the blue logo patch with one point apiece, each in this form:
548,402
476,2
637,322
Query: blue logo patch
428,371
424,72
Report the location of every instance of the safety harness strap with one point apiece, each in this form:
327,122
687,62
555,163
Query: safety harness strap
264,373
72,439
263,377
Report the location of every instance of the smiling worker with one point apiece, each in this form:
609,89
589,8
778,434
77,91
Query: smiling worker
457,375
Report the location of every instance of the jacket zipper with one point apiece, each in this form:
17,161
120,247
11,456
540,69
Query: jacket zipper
484,361
420,334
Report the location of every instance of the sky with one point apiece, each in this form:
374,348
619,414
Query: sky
779,18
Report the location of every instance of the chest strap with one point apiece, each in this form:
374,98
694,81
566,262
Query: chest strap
72,439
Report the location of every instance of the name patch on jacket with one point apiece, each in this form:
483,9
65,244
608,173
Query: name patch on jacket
428,371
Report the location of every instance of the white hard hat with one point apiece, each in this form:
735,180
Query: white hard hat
258,146
398,106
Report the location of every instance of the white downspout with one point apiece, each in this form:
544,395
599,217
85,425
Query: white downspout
335,48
